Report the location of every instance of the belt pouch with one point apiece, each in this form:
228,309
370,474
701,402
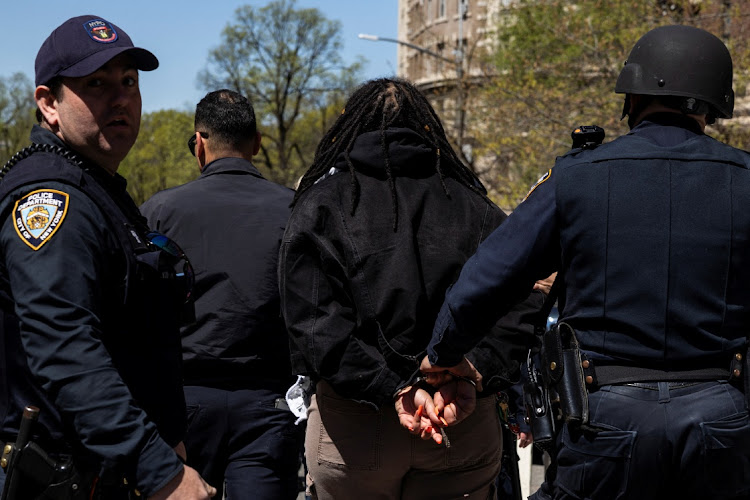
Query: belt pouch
538,408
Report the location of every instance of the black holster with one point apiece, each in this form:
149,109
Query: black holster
36,476
540,414
563,371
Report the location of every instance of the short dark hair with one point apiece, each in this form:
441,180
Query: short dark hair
227,117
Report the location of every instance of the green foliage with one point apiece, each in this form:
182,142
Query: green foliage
286,61
160,157
556,65
17,109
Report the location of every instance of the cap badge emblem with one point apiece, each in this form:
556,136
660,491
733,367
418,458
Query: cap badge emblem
100,31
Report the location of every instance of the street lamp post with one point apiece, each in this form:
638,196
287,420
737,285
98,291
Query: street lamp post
457,62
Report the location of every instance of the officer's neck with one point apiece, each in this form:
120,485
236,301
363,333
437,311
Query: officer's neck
657,107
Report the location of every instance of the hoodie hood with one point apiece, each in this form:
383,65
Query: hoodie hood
408,153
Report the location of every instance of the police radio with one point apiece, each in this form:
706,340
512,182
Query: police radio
587,136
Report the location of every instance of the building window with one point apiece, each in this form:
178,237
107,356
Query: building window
429,10
441,12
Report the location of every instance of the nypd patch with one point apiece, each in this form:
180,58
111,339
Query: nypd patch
38,215
541,180
100,31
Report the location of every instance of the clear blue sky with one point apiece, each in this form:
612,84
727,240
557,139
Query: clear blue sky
181,34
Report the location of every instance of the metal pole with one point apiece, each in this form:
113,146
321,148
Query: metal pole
460,77
375,38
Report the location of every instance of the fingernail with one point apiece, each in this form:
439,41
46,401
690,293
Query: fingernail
428,430
443,421
438,439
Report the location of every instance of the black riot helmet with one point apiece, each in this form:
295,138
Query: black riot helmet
681,61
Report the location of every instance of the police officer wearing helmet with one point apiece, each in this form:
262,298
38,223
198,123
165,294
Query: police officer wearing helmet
650,234
90,302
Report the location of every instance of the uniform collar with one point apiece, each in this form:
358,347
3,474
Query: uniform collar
667,129
230,165
40,135
670,120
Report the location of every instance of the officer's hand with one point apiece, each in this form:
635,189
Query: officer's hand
187,485
414,407
545,285
525,439
440,375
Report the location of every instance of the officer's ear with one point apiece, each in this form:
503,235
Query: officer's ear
256,144
200,150
46,103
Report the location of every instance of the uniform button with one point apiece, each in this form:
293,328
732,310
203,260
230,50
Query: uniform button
3,462
589,379
736,372
7,449
552,366
585,363
738,357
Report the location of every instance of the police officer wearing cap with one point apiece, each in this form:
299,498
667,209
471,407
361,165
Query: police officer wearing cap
650,234
90,302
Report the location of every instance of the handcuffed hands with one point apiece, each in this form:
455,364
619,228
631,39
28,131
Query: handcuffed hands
439,375
426,412
415,406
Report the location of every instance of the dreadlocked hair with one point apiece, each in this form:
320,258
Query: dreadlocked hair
378,105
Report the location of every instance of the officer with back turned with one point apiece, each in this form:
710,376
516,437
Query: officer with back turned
650,234
89,301
236,353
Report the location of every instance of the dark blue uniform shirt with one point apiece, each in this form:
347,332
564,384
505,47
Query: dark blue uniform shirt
650,232
85,353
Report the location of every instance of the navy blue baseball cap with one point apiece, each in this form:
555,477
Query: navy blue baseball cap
82,45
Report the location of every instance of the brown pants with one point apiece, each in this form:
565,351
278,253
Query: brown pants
355,452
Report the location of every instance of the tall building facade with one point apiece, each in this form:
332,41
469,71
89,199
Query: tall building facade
445,43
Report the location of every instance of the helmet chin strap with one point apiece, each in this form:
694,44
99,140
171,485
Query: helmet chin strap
625,106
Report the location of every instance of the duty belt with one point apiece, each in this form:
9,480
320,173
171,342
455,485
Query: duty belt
613,374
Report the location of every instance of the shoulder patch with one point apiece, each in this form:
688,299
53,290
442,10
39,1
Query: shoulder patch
541,180
38,215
